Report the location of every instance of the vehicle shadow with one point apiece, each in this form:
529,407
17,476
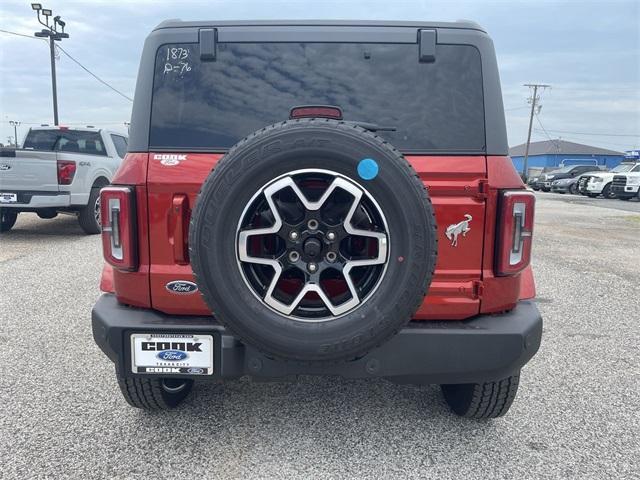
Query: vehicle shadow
324,417
29,225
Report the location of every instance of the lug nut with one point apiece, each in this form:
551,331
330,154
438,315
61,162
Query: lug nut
331,257
312,224
331,236
312,267
294,256
293,235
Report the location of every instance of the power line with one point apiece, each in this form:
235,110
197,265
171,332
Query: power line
542,127
596,134
579,140
595,89
76,61
93,74
21,35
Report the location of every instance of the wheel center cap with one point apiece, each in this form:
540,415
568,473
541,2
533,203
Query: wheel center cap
312,247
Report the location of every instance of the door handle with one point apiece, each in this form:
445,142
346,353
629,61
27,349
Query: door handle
179,228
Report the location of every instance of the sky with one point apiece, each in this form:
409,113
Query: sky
588,51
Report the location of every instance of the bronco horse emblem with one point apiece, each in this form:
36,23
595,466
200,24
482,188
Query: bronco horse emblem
456,229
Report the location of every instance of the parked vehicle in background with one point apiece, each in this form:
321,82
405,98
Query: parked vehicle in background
312,230
565,185
544,180
601,183
532,183
627,185
59,170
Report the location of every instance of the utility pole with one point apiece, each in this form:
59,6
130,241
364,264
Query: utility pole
15,124
54,36
534,98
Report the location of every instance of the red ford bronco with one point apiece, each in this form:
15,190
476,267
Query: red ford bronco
330,198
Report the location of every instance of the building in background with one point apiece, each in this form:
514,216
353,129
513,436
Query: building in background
555,153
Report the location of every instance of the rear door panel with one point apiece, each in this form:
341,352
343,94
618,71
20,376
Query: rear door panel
166,182
456,186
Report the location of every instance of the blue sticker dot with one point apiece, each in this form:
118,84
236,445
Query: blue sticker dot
368,169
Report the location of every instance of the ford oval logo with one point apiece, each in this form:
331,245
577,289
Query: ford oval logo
172,355
182,287
196,371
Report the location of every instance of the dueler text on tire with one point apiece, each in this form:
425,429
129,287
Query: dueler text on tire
313,240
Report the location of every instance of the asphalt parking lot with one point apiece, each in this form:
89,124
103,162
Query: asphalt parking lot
576,415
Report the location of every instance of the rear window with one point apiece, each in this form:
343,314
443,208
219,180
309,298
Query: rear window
204,105
73,141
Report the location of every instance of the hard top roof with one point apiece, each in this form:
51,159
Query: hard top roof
459,24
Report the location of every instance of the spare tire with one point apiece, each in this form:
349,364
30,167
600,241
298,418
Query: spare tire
313,240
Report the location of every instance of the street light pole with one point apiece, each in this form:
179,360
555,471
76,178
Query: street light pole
54,36
52,50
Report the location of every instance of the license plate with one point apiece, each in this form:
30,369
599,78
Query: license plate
8,197
173,354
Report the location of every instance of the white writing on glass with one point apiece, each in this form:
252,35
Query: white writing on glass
177,61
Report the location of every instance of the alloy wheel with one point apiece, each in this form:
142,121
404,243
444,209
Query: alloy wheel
312,245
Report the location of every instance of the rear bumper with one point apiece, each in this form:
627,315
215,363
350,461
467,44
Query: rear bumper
560,188
32,200
482,349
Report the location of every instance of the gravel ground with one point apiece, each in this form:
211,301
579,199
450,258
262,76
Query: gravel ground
576,415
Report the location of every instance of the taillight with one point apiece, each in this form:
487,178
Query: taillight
118,220
515,229
66,171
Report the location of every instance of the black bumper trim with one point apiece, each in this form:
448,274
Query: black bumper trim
487,347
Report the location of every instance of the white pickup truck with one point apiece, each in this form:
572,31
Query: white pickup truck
59,170
594,184
627,185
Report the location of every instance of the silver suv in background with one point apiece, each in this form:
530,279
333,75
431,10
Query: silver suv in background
59,169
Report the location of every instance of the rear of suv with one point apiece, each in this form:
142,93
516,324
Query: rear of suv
325,198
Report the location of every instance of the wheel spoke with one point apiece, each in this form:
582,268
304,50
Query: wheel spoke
244,235
310,287
269,290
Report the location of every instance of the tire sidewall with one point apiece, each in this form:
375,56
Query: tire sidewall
8,219
321,145
86,217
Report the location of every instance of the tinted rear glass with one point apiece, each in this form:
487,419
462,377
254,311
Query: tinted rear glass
65,141
436,107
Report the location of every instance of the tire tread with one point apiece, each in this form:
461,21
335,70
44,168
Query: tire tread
482,400
147,393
